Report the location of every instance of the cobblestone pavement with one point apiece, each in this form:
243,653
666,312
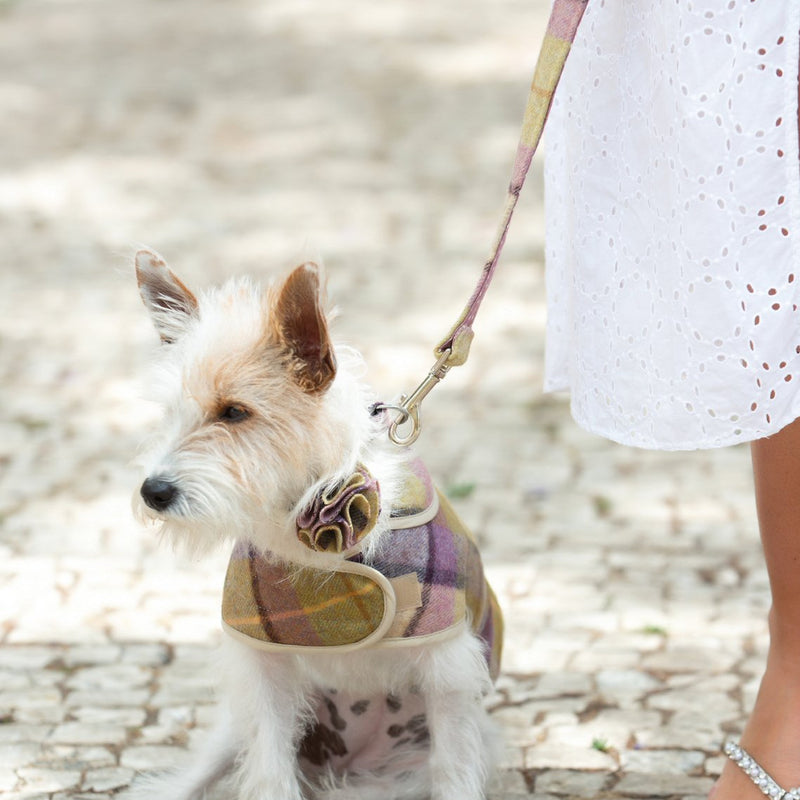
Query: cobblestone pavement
243,136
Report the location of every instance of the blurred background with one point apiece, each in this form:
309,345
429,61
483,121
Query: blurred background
244,136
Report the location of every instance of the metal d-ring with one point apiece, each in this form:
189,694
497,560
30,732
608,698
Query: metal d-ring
398,409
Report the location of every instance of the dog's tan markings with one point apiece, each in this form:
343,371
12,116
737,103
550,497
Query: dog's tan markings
301,327
162,292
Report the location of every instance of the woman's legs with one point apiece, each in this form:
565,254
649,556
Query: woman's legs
772,734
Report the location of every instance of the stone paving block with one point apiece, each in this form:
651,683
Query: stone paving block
148,654
80,796
161,734
125,716
107,697
154,757
8,779
527,657
110,677
517,729
13,679
29,657
672,762
88,733
108,778
706,659
561,684
13,733
91,655
75,757
614,728
715,764
560,756
662,785
714,704
35,627
31,698
572,783
12,755
511,758
28,795
48,780
725,682
626,683
506,782
556,708
204,716
602,656
178,694
50,715
689,729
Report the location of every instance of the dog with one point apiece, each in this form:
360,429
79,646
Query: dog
362,632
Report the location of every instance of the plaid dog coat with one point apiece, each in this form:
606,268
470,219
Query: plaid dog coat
427,580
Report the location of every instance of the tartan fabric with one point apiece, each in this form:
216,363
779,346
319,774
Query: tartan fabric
274,604
416,495
445,558
269,601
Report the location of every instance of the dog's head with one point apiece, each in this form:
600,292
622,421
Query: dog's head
248,378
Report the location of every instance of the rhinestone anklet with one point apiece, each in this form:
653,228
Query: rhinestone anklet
758,775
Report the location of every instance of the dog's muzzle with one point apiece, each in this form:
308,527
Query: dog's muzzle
159,493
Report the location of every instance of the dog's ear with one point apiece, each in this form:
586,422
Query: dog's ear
302,329
169,302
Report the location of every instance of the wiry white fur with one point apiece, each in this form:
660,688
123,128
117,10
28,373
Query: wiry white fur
250,481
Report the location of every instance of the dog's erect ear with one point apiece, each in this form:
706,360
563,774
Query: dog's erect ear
169,302
301,327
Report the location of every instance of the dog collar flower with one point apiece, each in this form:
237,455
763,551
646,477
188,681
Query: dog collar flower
339,517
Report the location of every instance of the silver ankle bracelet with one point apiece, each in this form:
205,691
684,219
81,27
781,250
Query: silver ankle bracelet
760,777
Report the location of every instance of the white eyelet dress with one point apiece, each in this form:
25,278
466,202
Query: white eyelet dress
673,222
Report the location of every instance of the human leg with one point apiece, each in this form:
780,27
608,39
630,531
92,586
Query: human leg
772,734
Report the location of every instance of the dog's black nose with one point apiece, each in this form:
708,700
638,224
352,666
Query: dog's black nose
159,493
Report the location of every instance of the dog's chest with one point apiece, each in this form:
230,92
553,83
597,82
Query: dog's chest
353,731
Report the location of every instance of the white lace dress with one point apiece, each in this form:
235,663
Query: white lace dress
673,222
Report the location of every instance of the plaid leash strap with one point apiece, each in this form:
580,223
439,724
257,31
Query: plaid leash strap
561,29
453,350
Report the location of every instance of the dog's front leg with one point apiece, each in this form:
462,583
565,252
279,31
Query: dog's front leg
462,748
269,705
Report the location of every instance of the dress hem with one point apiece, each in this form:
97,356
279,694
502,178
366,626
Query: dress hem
744,437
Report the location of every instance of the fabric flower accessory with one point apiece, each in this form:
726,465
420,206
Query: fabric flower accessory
340,517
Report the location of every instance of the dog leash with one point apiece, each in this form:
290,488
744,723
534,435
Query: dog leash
453,350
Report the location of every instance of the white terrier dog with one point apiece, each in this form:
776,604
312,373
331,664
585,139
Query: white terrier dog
363,634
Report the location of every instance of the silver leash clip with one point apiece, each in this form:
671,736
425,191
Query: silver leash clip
407,408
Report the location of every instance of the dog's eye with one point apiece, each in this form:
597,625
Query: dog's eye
234,413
